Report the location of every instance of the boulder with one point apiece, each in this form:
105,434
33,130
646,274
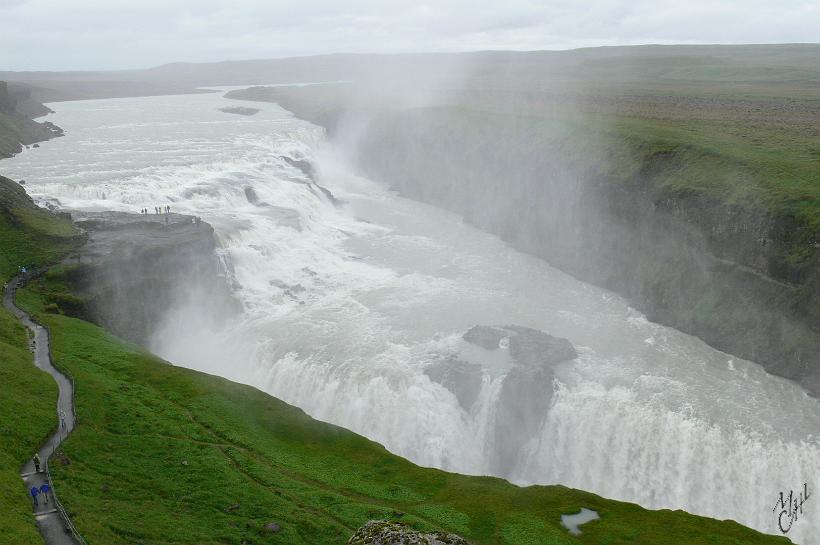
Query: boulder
461,378
303,165
383,532
272,527
240,110
485,336
530,347
251,195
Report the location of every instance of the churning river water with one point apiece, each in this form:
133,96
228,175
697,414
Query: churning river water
345,306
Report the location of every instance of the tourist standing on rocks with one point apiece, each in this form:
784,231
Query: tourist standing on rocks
34,491
44,492
37,462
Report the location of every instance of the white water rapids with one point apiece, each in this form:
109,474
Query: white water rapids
345,306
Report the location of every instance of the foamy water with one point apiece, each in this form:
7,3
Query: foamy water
345,306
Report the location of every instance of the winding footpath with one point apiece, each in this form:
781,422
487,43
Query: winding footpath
52,521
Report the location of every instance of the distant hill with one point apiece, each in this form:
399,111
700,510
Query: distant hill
781,69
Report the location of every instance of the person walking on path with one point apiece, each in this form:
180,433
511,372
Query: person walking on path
34,491
44,490
62,419
37,462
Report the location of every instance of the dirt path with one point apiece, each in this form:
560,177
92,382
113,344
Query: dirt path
54,524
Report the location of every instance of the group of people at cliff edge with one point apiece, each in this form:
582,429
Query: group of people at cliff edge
158,210
166,210
43,490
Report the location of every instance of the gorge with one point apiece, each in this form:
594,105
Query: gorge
358,306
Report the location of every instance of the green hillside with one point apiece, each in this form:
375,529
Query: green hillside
28,236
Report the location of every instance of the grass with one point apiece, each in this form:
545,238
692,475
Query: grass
167,455
27,400
31,236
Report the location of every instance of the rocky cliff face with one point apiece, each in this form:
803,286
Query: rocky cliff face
17,125
133,269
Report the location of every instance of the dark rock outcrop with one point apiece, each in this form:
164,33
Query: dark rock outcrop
17,125
133,268
240,110
303,165
526,393
485,336
530,347
384,532
250,194
462,378
527,385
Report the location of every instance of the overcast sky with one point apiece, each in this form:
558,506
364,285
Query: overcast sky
110,34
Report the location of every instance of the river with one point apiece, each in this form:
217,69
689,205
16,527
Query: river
345,306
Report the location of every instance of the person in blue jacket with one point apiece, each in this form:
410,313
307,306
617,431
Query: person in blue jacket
34,491
44,490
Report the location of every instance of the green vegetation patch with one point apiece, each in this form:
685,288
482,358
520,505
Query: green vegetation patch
30,236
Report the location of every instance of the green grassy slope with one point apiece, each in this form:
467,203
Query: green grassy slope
27,398
31,236
167,455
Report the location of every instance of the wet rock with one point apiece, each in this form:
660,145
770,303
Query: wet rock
330,196
251,195
485,336
233,507
527,346
530,347
383,532
461,378
240,110
302,164
272,528
523,404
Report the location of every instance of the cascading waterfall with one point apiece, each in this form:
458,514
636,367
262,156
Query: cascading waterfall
346,306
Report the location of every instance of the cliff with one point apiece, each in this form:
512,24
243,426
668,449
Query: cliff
17,125
133,269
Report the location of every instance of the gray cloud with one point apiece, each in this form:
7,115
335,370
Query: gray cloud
110,34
